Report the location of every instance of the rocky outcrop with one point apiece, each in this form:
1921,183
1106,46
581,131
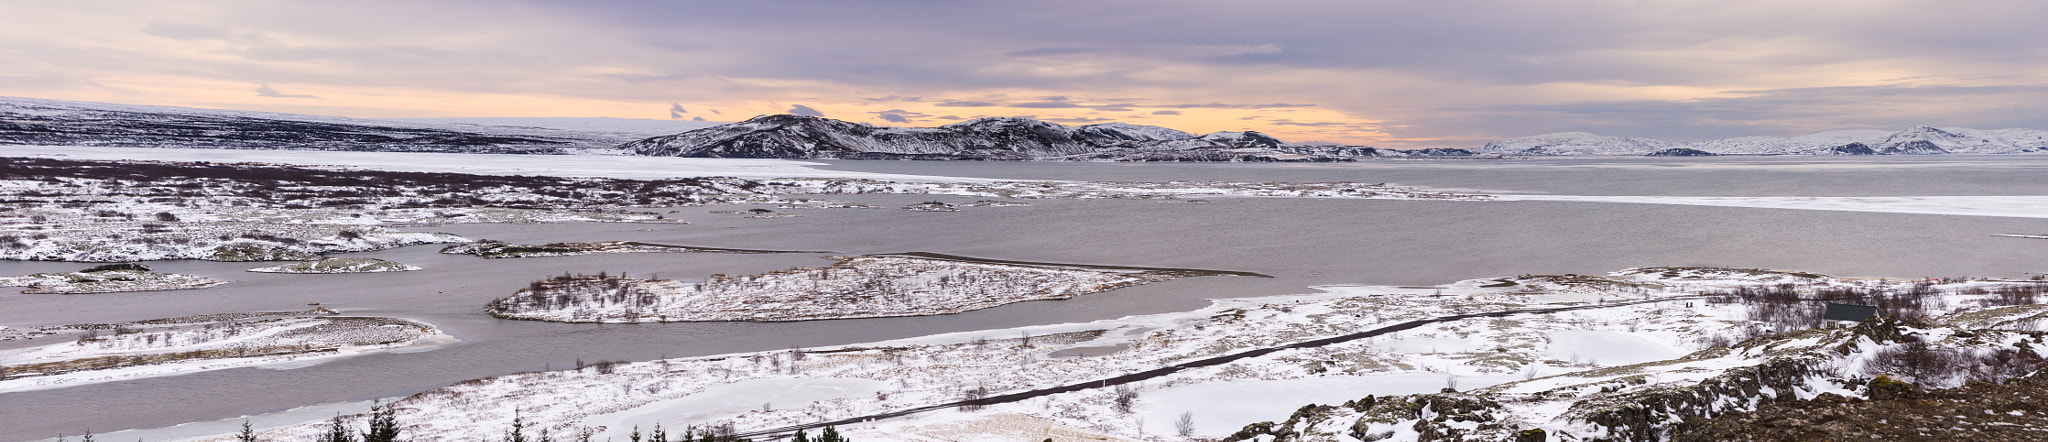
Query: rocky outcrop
1681,152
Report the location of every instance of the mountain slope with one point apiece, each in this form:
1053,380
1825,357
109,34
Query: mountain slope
1004,138
1812,144
1575,144
1916,140
65,123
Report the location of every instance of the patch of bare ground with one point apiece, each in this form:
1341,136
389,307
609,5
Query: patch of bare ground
2015,410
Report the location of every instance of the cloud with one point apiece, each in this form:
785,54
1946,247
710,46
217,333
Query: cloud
1313,123
264,90
181,31
1780,112
1045,105
1231,106
804,111
676,111
1169,51
1440,72
1079,120
1041,52
696,118
899,116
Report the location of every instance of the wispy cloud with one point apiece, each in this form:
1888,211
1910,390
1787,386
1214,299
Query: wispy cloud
264,90
804,111
900,116
1443,72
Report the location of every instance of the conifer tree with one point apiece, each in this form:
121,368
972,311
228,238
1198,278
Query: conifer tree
830,435
518,433
635,437
248,434
799,437
383,424
659,435
337,431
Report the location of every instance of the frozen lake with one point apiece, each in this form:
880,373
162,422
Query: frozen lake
1302,242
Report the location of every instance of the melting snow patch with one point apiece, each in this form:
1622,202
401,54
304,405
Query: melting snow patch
1607,348
720,402
1219,408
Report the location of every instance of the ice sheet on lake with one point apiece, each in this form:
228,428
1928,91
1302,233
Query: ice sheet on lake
729,400
1607,348
2016,206
216,429
1218,408
594,166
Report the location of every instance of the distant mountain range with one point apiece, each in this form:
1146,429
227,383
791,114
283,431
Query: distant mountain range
1916,140
1002,138
67,123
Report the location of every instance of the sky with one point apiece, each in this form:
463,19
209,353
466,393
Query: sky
1448,73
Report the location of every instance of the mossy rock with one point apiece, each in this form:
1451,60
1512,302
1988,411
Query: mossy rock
339,265
244,252
495,250
129,266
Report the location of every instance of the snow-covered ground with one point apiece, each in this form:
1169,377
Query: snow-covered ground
566,166
174,346
1125,189
498,250
856,287
105,281
339,265
1551,369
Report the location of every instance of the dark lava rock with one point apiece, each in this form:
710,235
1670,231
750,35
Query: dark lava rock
1682,152
117,267
2016,410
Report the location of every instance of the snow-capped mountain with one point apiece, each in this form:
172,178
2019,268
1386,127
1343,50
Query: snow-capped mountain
1001,138
1927,140
1812,144
69,123
1575,144
1133,132
1916,140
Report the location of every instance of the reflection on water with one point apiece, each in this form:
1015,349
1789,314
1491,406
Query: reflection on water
1300,242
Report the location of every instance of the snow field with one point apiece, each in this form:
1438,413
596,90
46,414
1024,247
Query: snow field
186,345
856,287
565,166
944,368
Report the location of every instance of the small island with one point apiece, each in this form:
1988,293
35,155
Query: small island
339,265
172,346
110,278
856,287
494,249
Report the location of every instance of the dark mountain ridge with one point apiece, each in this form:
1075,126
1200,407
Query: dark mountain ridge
1001,138
64,123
